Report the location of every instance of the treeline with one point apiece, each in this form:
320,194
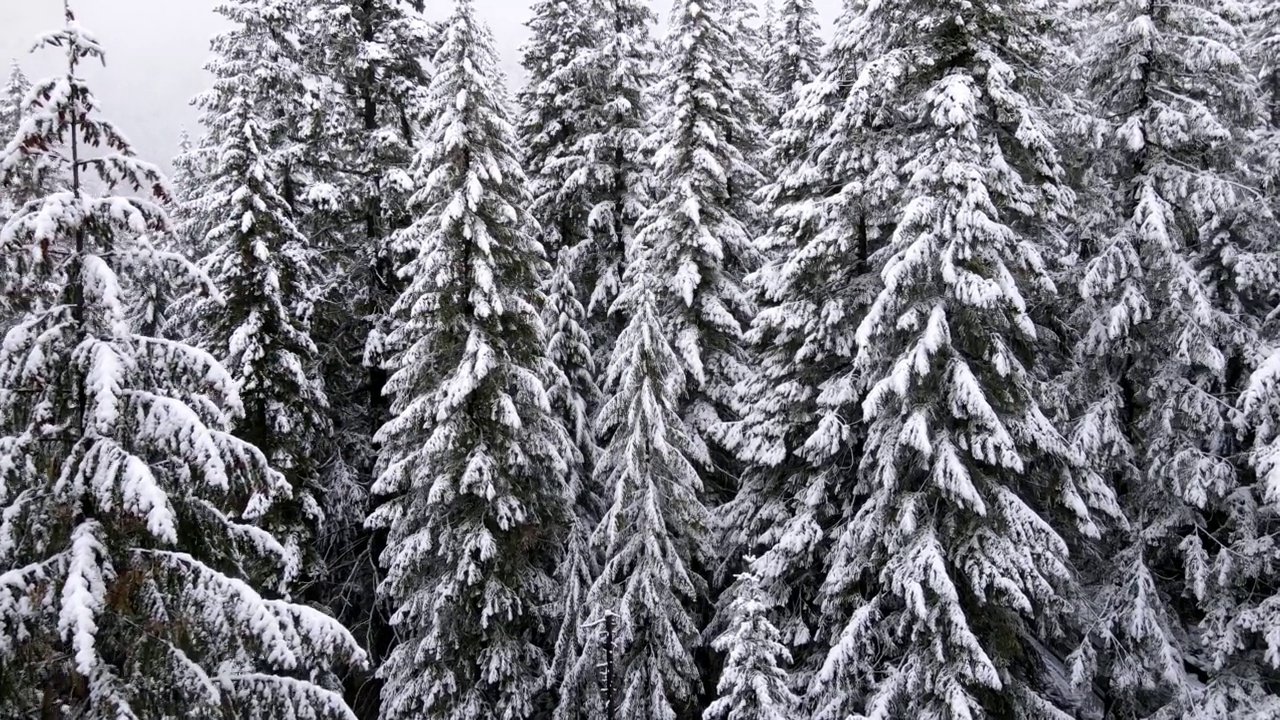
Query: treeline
932,372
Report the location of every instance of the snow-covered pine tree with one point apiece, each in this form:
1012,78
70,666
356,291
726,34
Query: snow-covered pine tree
11,192
574,397
621,66
474,460
754,684
794,54
802,430
655,530
699,225
365,65
190,221
949,568
744,24
1175,290
132,563
265,268
1248,642
560,108
10,117
556,113
31,178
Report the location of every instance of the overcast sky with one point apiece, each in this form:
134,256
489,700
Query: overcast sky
156,50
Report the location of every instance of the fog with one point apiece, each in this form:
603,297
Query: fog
156,50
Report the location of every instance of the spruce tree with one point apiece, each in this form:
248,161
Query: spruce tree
574,397
699,225
10,117
266,269
32,177
753,685
802,432
949,569
793,56
655,531
474,460
356,127
560,109
1175,290
621,66
556,113
134,568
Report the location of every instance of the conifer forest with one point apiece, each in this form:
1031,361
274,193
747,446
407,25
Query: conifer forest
732,366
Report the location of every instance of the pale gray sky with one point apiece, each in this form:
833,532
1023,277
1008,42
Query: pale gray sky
156,50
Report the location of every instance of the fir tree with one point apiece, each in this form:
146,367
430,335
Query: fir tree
32,176
574,396
1175,290
699,226
793,56
753,685
560,105
11,98
266,269
357,124
654,534
473,461
950,568
132,560
12,191
556,105
802,430
620,65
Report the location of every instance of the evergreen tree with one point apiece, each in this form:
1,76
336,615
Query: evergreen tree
366,62
620,65
10,118
266,269
189,216
556,113
802,431
1174,292
950,568
793,56
699,225
473,461
753,685
11,191
132,561
654,533
561,105
574,396
357,124
32,176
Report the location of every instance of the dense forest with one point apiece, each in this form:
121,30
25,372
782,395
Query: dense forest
719,372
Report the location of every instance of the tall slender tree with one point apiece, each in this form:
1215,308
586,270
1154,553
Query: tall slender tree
134,571
10,117
950,568
621,65
474,460
32,176
574,397
699,225
556,106
561,108
1175,290
655,530
794,53
265,267
357,125
802,431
